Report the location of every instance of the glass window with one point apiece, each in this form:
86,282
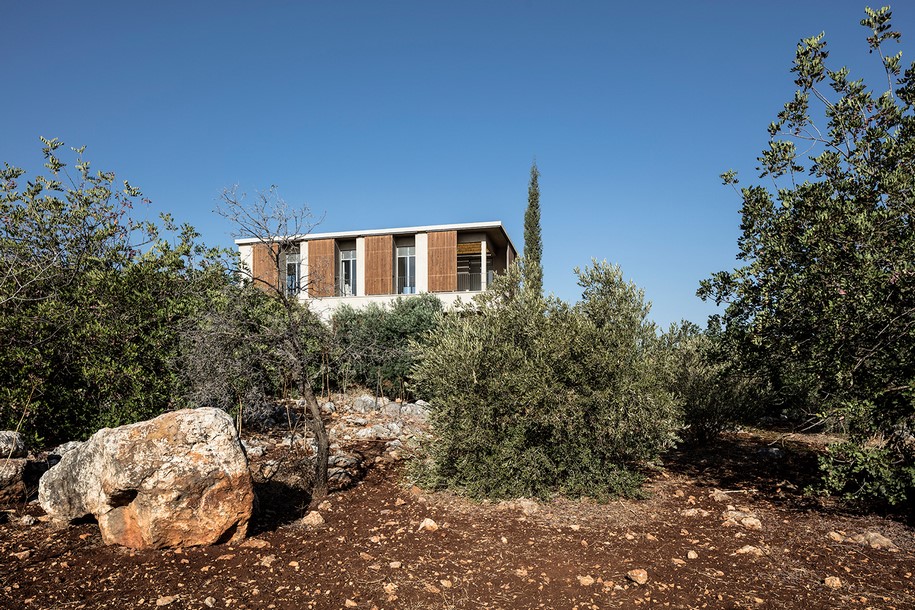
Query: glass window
347,278
406,270
293,272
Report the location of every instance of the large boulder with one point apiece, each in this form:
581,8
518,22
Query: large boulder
178,480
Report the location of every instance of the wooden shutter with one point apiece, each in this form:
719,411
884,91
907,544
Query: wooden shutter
321,267
379,264
263,266
443,261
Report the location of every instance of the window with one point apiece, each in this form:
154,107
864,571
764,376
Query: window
406,270
346,281
293,273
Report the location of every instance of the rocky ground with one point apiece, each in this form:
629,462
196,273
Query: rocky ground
727,527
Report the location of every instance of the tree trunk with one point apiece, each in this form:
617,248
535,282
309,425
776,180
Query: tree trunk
316,425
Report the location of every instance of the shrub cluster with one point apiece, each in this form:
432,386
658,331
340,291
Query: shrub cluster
371,346
532,396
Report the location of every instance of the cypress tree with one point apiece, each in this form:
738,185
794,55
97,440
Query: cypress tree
533,245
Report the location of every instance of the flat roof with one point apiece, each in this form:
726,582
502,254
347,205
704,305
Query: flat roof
465,226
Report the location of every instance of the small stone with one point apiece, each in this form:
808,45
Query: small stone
350,603
399,502
650,537
678,561
833,582
585,581
210,602
836,537
28,520
395,565
22,555
427,525
692,555
325,505
446,583
267,560
749,550
638,576
166,600
875,540
695,512
255,543
575,527
751,523
313,519
719,496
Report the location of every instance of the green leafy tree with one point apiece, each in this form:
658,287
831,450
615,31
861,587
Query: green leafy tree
531,396
279,227
533,243
90,300
825,303
372,345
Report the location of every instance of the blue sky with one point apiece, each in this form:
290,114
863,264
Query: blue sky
382,114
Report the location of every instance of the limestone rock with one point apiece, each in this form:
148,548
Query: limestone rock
12,445
178,480
639,577
875,540
313,519
18,479
428,525
750,550
833,582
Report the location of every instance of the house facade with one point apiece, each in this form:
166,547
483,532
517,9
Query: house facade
378,265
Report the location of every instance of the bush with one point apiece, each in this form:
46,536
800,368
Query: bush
713,395
235,356
90,301
372,345
532,396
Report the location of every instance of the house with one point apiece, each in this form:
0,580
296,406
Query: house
378,265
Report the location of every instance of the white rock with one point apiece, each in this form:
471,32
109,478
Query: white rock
180,479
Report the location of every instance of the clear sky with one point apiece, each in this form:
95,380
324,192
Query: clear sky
398,113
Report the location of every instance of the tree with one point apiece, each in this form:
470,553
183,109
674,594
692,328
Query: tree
372,345
532,396
533,244
279,228
90,299
825,302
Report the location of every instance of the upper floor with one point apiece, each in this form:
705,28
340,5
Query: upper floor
378,265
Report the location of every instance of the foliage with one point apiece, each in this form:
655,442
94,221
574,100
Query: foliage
533,243
234,356
90,300
713,395
532,396
372,345
296,337
825,303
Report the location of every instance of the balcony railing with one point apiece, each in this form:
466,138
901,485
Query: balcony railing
406,285
469,282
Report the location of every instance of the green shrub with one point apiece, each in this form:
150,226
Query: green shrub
372,345
713,395
90,301
532,396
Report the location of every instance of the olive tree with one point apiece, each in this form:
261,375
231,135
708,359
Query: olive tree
825,301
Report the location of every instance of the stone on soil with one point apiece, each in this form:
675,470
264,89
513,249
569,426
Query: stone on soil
178,480
875,540
638,576
313,519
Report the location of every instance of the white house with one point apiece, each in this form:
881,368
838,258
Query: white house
378,265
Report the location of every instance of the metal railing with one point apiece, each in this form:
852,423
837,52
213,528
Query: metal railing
406,285
469,282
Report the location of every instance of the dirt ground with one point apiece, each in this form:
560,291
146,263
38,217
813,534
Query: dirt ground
776,548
